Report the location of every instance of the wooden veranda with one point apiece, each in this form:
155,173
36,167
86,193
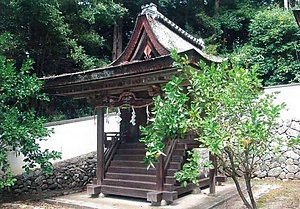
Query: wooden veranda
132,81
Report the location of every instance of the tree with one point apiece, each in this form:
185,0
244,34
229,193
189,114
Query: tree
222,23
91,23
274,46
20,128
60,36
226,110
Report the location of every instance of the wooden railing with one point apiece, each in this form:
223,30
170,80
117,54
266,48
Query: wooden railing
169,152
163,164
111,146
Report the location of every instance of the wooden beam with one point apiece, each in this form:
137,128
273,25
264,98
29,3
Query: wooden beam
100,145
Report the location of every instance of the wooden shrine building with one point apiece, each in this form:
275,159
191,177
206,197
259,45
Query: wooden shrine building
131,81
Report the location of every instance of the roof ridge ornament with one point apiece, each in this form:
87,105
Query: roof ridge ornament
150,10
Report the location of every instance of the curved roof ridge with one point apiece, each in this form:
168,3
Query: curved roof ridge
151,10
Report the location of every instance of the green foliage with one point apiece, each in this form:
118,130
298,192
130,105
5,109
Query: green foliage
60,36
20,129
222,24
294,141
7,179
274,46
232,118
91,24
228,112
190,170
62,108
163,126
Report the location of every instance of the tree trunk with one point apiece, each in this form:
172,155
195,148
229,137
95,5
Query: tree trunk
249,189
117,40
217,4
234,177
212,174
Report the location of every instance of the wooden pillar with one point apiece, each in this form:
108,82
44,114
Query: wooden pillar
160,174
100,145
212,174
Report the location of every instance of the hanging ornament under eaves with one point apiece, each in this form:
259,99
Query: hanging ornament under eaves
148,113
119,119
107,116
133,116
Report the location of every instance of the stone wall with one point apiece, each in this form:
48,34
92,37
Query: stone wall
284,164
204,159
69,174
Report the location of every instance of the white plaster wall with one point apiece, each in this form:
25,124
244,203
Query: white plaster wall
290,95
72,137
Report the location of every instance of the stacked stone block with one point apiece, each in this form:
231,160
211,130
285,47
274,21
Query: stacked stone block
285,163
70,174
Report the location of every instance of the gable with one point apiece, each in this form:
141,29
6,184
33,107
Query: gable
154,35
142,45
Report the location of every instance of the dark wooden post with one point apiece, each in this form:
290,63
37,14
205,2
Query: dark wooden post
160,174
212,174
100,145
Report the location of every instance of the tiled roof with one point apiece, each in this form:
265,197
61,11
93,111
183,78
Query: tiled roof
161,22
156,32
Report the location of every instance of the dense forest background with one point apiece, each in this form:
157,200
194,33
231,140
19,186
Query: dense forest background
63,36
